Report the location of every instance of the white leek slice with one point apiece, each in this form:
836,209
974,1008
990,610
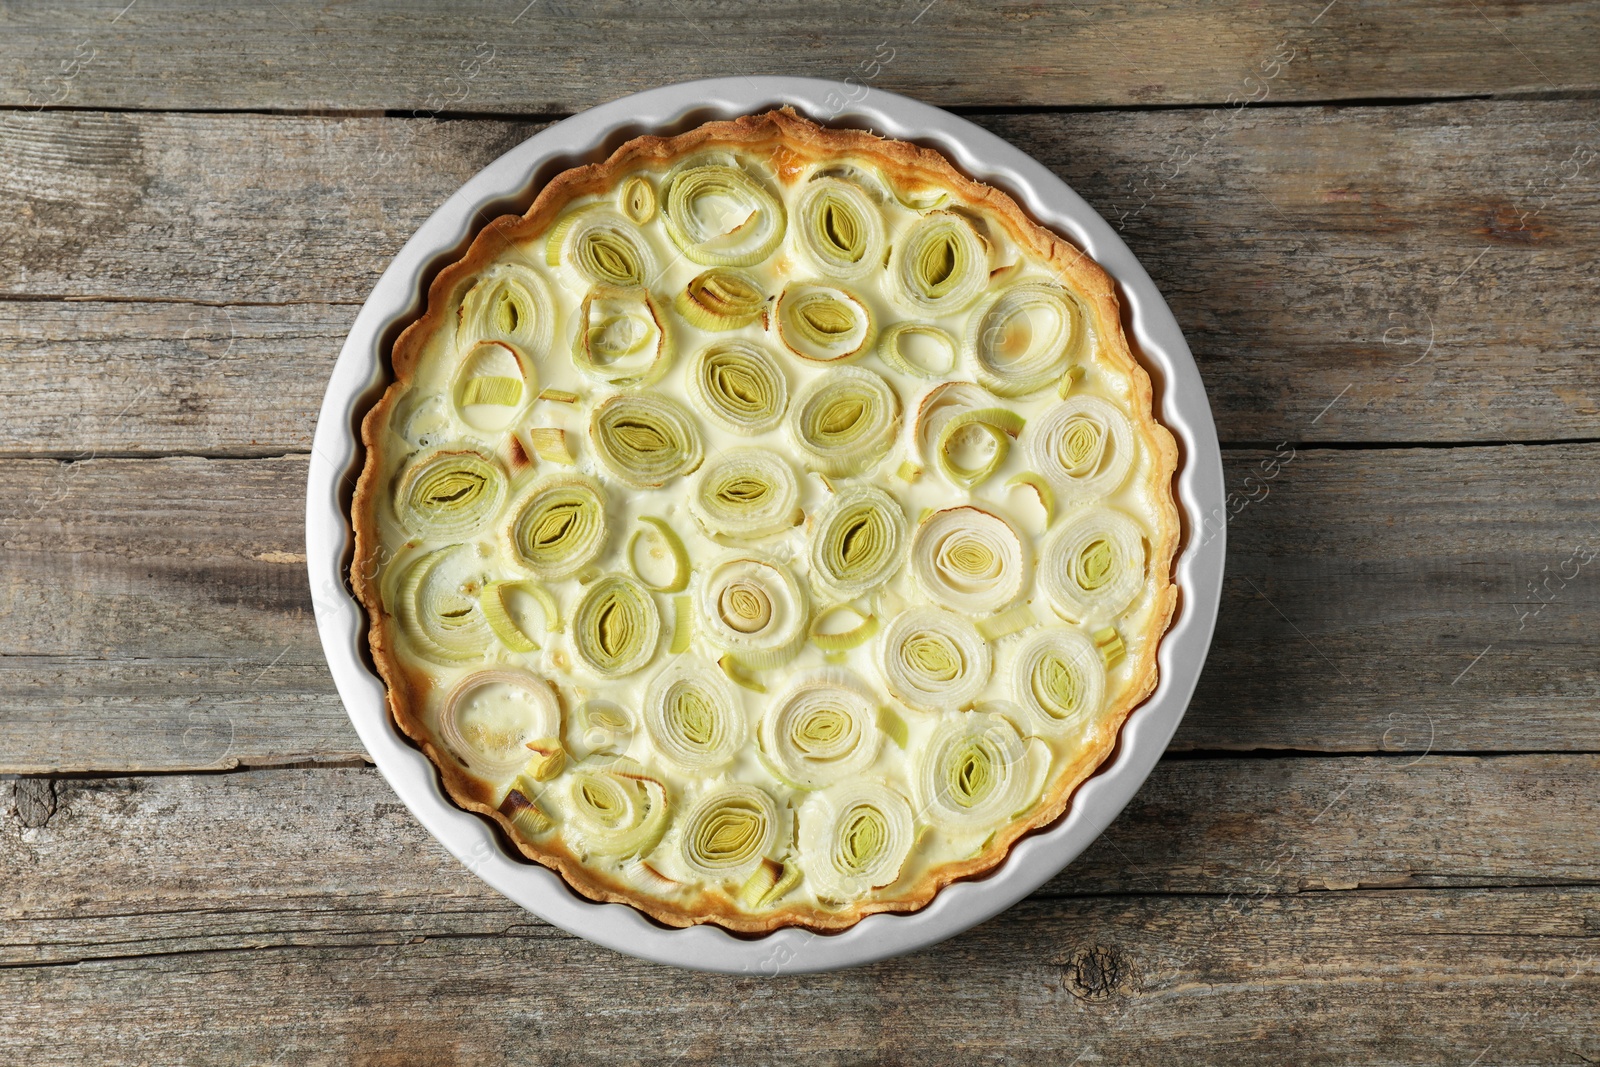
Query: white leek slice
719,214
745,493
694,718
721,299
557,526
941,265
933,659
1083,446
969,560
973,773
621,338
854,837
594,245
754,609
509,303
822,729
739,386
438,607
845,421
840,228
615,808
449,494
646,440
616,626
858,541
1058,676
490,719
1023,338
965,432
919,349
728,831
1093,565
824,324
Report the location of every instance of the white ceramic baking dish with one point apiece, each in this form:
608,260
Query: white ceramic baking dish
508,185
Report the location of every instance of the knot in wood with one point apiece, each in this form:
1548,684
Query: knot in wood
1096,973
34,801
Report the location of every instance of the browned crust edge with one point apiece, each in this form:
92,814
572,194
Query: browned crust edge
791,142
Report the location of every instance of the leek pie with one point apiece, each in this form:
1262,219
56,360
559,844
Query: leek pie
768,528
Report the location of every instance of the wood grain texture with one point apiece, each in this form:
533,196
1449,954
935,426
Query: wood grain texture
309,902
1432,269
546,56
1362,587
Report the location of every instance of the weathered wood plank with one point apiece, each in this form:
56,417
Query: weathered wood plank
1304,251
524,57
1376,600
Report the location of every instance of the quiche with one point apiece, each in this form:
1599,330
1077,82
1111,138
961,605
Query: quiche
768,528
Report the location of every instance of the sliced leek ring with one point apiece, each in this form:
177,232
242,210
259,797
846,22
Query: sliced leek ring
854,837
1024,338
661,532
858,541
490,719
636,198
646,440
594,245
755,609
621,338
824,324
973,773
493,384
840,228
965,432
616,627
721,299
718,214
509,303
933,659
1084,446
449,494
845,421
438,607
969,560
728,832
739,387
919,349
557,526
694,718
745,494
822,729
615,808
1093,566
941,265
1059,677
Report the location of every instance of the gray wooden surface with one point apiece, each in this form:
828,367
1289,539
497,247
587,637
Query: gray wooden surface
1375,836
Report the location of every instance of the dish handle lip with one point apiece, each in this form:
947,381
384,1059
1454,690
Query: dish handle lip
359,375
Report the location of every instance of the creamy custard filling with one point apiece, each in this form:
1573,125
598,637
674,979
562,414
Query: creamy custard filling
769,537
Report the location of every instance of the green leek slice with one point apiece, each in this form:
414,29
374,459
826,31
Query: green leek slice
1058,676
822,729
840,228
659,530
745,494
739,387
594,245
637,199
1109,643
973,773
995,426
492,385
1084,446
646,440
728,832
491,718
969,560
694,718
934,659
615,808
551,445
1024,338
845,421
824,324
755,609
509,303
1041,490
720,215
828,639
919,349
616,627
1093,566
557,526
1014,619
721,299
621,338
858,541
449,494
941,265
854,837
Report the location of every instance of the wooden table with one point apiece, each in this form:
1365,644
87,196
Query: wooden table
1374,838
